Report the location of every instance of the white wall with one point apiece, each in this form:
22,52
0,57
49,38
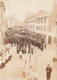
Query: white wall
0,15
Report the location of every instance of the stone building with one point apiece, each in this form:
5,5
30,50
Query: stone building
10,21
43,24
19,26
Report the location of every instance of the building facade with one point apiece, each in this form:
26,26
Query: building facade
31,26
19,26
31,23
43,24
10,21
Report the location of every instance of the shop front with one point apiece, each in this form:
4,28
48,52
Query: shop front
49,39
44,38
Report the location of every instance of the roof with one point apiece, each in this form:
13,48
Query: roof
40,14
43,13
2,4
31,17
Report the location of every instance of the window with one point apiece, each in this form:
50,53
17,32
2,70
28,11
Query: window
33,26
41,28
45,20
37,27
10,23
49,29
55,40
49,39
37,20
44,28
41,20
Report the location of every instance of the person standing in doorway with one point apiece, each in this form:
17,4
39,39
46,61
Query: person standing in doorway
48,72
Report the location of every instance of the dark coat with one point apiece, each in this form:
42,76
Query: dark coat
48,70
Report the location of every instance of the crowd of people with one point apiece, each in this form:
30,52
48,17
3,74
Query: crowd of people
5,57
22,45
28,72
25,39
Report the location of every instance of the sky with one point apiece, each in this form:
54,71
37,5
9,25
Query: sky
20,7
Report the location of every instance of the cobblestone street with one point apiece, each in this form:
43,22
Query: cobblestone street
13,70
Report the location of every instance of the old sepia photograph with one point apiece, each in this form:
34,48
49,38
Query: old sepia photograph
28,39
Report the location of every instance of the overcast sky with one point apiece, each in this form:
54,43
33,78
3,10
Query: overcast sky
21,7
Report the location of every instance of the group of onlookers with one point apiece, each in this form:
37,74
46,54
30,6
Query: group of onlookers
5,57
40,43
22,40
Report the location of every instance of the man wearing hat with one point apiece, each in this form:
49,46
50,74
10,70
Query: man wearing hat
48,72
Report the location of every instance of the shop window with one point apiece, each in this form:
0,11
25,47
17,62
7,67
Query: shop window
49,39
44,38
55,40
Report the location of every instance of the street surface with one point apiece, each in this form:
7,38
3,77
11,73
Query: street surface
13,70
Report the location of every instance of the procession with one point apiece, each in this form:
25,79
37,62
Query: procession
24,47
28,40
25,51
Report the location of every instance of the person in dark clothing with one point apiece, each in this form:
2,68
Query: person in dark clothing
48,72
29,46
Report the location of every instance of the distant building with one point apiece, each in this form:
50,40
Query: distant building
43,24
10,21
19,26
